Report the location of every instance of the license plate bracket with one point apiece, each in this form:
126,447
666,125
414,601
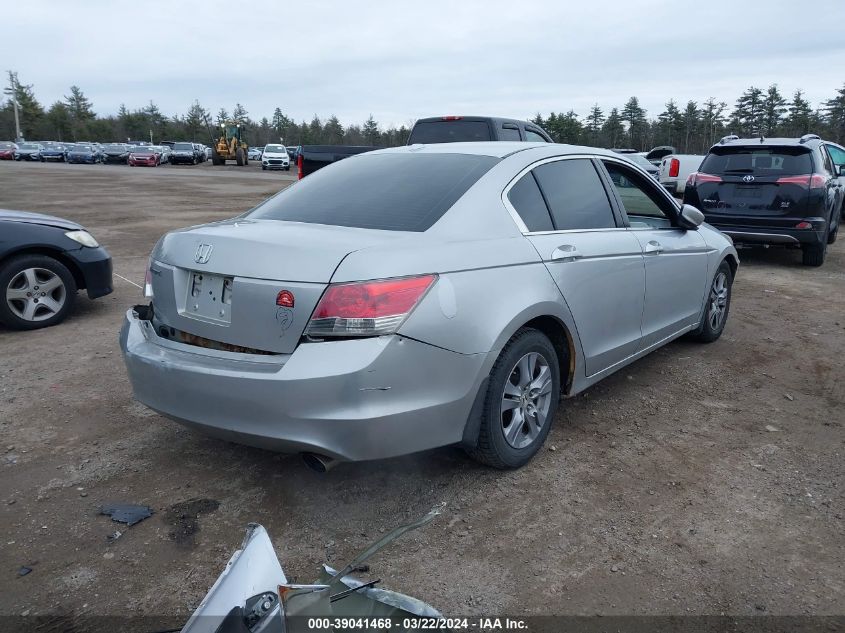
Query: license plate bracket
209,297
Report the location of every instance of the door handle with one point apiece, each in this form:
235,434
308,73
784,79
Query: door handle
566,253
653,248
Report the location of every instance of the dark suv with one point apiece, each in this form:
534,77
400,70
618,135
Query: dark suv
456,129
779,191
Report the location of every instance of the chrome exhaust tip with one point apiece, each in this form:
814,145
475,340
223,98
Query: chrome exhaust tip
318,463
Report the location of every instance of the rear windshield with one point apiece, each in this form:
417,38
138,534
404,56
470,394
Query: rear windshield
450,132
774,161
391,192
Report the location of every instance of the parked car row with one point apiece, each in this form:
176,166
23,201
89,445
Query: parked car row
119,153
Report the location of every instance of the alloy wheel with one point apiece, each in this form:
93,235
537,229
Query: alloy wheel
526,399
36,294
718,301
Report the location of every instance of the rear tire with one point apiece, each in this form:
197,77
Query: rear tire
523,390
814,254
718,306
239,157
22,275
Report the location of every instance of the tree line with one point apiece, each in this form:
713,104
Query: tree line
690,128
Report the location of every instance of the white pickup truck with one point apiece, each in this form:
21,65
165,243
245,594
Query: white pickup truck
675,169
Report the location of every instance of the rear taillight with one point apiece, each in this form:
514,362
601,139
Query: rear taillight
148,280
809,181
697,177
369,308
803,225
299,167
674,168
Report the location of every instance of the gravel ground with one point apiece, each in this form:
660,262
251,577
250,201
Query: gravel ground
703,479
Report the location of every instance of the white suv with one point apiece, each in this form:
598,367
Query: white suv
275,157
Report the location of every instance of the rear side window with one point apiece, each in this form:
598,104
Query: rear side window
575,194
837,154
391,192
772,161
534,137
509,132
450,132
526,198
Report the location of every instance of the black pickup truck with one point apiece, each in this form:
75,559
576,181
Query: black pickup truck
443,129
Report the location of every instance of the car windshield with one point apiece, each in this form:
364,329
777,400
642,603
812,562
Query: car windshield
183,147
391,192
764,161
142,150
276,149
28,146
115,148
449,132
82,148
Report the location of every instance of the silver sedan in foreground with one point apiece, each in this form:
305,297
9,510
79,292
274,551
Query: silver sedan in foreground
423,296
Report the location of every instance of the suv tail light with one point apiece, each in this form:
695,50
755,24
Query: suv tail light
369,308
299,167
697,177
810,181
148,280
674,168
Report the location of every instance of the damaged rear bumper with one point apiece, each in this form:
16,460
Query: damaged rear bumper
351,400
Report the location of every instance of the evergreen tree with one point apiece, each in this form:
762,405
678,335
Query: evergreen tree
798,116
333,131
635,117
195,121
595,120
613,130
239,114
370,131
834,112
222,116
712,122
58,122
669,124
747,118
690,122
774,107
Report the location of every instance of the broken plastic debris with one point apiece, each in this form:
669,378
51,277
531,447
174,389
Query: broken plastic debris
127,513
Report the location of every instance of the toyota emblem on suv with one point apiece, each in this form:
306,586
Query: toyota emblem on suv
748,178
203,253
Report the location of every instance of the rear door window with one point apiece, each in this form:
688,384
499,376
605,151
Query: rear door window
837,154
534,137
526,198
639,195
773,161
458,131
575,195
509,132
391,192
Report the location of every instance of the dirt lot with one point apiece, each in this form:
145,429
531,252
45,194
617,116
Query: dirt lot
702,479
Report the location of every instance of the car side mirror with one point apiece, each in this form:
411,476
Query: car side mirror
690,218
840,171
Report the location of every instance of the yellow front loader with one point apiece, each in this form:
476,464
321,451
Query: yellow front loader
230,145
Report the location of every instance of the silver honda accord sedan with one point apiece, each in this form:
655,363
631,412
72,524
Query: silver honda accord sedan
423,296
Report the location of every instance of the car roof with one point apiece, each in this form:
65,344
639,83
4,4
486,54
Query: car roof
497,149
808,141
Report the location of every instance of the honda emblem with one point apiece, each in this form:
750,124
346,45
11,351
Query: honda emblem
203,253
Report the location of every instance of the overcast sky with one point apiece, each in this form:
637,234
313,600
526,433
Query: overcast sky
402,60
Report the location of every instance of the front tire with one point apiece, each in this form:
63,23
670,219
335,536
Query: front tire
718,305
239,157
36,291
521,401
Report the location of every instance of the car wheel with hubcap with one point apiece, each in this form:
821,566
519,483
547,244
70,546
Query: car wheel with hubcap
717,307
521,401
37,291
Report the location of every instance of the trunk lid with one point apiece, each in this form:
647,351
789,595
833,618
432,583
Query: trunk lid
226,282
750,186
